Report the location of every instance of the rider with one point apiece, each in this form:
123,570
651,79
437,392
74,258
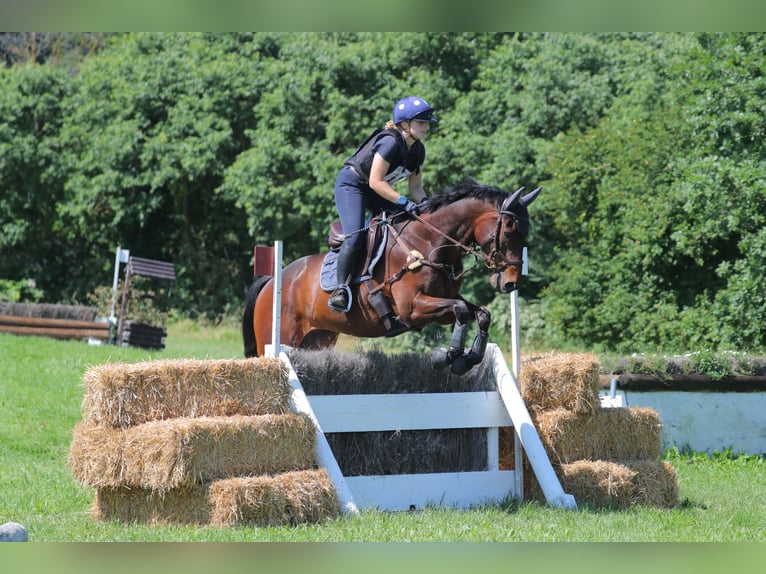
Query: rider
365,182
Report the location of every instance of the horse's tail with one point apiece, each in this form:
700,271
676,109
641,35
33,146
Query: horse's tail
248,330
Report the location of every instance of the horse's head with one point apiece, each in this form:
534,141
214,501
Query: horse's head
495,219
506,248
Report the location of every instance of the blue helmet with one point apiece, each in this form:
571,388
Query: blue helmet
412,108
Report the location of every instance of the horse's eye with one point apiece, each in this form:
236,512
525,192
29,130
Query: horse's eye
510,231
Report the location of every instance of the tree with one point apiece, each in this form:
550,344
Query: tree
667,205
150,128
31,174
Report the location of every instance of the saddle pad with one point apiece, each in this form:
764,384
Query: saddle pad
328,275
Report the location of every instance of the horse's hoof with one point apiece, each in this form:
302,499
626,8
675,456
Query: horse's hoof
439,358
461,365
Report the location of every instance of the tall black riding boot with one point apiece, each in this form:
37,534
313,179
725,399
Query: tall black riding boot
340,299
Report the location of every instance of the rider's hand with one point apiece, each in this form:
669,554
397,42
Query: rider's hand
411,207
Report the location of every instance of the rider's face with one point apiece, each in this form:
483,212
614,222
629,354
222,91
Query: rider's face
419,129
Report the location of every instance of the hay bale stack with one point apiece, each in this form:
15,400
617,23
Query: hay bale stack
610,434
161,455
123,395
560,381
604,457
288,498
203,442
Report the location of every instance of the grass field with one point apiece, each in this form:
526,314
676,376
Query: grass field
723,498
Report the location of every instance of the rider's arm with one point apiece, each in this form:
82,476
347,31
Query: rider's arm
378,171
416,193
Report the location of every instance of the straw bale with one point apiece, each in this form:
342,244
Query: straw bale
288,498
506,448
270,500
560,381
601,483
162,455
614,434
122,395
186,505
611,484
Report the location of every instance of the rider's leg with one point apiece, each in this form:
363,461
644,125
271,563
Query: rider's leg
350,202
347,257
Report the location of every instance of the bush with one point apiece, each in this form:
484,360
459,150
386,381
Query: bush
25,290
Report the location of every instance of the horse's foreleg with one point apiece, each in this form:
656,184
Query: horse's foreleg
463,313
441,357
463,363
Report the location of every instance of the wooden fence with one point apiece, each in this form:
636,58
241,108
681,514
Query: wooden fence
58,328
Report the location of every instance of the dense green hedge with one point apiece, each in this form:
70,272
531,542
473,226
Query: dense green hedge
195,147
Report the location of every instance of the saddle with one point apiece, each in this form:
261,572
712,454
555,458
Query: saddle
375,244
376,234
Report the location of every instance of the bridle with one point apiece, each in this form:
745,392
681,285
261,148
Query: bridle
496,261
496,254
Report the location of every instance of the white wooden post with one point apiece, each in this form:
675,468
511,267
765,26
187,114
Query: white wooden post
276,312
121,256
518,451
325,456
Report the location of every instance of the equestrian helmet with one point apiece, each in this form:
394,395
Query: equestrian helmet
412,108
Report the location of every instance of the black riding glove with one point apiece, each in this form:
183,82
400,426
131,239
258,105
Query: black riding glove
411,207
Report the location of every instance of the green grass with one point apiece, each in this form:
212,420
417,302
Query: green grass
723,498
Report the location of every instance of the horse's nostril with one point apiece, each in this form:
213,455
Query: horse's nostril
509,287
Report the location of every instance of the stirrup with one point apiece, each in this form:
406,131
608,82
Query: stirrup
340,300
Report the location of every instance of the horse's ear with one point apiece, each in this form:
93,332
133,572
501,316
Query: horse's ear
530,197
511,200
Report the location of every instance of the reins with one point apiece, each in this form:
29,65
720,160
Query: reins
490,261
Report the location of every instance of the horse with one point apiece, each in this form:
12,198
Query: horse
419,273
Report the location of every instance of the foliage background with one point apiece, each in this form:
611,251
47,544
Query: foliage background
194,147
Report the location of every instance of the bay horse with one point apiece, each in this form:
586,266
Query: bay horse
420,273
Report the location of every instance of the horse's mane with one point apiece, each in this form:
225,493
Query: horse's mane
467,188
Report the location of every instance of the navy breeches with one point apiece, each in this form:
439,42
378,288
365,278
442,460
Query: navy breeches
353,198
